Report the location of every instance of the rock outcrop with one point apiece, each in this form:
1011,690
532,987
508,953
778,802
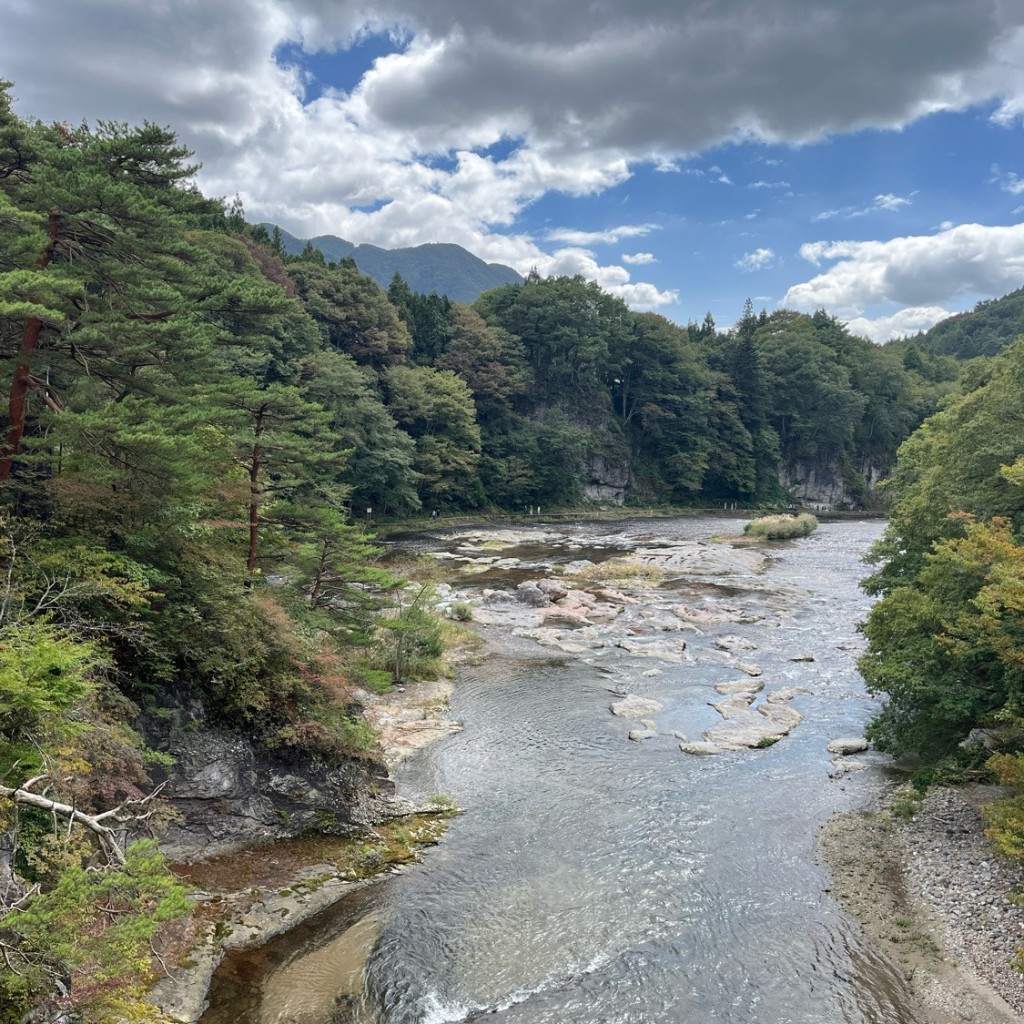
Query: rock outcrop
230,791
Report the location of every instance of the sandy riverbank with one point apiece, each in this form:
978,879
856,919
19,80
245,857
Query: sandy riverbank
929,892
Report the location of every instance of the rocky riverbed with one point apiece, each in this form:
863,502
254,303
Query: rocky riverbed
613,660
929,891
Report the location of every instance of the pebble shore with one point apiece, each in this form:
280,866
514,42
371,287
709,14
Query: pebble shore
952,869
929,891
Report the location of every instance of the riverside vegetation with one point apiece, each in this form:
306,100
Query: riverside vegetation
197,425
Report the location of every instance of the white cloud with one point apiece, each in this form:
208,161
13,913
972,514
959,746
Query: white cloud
885,201
905,322
768,184
396,158
637,259
759,259
720,176
917,270
573,237
1009,182
891,201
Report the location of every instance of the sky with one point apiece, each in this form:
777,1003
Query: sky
861,156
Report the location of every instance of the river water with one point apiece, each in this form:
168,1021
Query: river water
594,879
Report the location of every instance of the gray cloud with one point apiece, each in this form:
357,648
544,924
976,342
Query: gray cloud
585,89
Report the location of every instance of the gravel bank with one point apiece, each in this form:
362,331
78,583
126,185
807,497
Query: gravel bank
929,892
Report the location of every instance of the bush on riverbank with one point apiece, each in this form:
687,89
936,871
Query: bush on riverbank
781,527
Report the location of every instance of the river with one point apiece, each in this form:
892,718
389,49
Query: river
594,879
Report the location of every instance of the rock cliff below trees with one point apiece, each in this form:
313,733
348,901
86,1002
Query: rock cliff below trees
231,792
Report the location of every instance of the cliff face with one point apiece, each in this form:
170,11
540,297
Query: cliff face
826,486
606,480
229,791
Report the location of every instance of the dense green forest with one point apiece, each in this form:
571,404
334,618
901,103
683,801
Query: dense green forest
983,331
946,640
197,424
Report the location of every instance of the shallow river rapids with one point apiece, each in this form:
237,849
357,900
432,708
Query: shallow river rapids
593,879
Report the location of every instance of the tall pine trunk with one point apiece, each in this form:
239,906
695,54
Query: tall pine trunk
22,371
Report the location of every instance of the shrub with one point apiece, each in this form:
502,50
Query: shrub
462,611
781,527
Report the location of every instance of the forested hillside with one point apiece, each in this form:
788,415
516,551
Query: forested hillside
194,427
983,331
946,640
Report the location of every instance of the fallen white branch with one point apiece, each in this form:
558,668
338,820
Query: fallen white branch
130,812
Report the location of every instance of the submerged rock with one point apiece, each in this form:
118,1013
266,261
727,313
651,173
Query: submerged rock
701,749
734,643
642,734
632,706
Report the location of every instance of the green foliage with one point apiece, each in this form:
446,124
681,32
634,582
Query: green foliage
95,929
412,642
44,677
781,527
1005,817
946,642
984,331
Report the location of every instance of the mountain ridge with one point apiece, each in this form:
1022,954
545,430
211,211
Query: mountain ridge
442,267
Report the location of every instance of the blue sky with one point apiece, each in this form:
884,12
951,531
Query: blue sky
865,158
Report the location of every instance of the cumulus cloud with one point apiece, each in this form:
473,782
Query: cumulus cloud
916,271
759,259
769,184
907,321
637,259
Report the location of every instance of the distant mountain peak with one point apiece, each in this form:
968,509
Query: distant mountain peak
442,267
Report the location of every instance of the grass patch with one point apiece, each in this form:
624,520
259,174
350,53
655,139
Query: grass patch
781,527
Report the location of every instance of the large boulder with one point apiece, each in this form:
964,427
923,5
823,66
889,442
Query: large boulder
846,745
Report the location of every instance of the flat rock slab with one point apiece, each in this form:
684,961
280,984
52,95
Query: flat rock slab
701,749
802,657
848,745
730,686
750,669
781,715
738,704
785,693
720,612
734,643
633,706
751,729
670,651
